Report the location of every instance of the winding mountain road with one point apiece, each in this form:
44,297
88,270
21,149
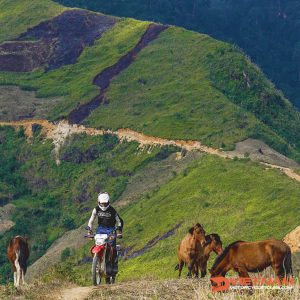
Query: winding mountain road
59,131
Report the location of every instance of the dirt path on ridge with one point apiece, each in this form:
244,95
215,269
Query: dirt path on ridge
58,132
75,293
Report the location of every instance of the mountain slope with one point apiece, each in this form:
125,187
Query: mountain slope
236,199
158,80
166,89
17,16
51,199
268,31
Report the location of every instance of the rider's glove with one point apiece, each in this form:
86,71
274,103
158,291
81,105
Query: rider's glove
119,234
88,228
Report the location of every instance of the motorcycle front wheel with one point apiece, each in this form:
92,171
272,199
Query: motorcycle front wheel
96,268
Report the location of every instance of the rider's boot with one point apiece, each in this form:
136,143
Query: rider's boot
115,267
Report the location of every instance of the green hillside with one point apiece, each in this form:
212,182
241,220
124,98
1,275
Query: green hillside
268,31
75,82
17,16
238,199
183,85
162,81
51,199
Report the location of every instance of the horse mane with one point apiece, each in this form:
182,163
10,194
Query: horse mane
215,236
191,230
223,254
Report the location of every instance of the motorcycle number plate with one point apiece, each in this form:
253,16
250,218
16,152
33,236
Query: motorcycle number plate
100,239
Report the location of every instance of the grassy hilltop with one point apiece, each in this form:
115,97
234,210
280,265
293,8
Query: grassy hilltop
182,85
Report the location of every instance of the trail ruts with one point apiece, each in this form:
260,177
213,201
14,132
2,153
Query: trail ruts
103,79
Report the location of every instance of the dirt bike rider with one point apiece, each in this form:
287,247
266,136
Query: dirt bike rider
108,221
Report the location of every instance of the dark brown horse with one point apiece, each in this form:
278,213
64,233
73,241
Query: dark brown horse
244,257
191,249
17,254
213,243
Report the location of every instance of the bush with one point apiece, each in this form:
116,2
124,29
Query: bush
65,254
68,223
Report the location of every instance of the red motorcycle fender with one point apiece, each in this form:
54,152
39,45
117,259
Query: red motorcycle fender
97,249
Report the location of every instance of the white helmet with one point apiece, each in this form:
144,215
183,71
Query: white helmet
103,201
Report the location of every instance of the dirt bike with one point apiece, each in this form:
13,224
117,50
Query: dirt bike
104,254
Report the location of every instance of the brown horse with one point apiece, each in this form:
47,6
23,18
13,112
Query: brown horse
244,257
17,254
191,249
213,244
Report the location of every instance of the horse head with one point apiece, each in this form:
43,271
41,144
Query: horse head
198,232
214,243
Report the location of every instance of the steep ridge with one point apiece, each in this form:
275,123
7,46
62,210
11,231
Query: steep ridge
147,96
103,79
60,131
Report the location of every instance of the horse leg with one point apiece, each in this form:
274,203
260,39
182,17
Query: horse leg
203,269
180,266
23,277
18,268
244,274
279,271
196,270
190,269
15,278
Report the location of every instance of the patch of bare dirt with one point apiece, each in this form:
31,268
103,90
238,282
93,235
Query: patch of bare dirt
17,104
75,293
5,213
259,151
54,43
293,239
104,78
23,56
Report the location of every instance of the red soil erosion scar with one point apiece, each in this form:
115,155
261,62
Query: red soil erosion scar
104,78
54,43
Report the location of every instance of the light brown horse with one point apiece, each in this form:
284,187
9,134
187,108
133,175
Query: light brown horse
18,254
213,243
191,249
244,257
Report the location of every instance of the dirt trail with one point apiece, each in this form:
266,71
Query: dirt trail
289,172
103,79
173,289
58,132
75,293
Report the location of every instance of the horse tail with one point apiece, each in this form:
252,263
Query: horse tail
287,263
22,256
